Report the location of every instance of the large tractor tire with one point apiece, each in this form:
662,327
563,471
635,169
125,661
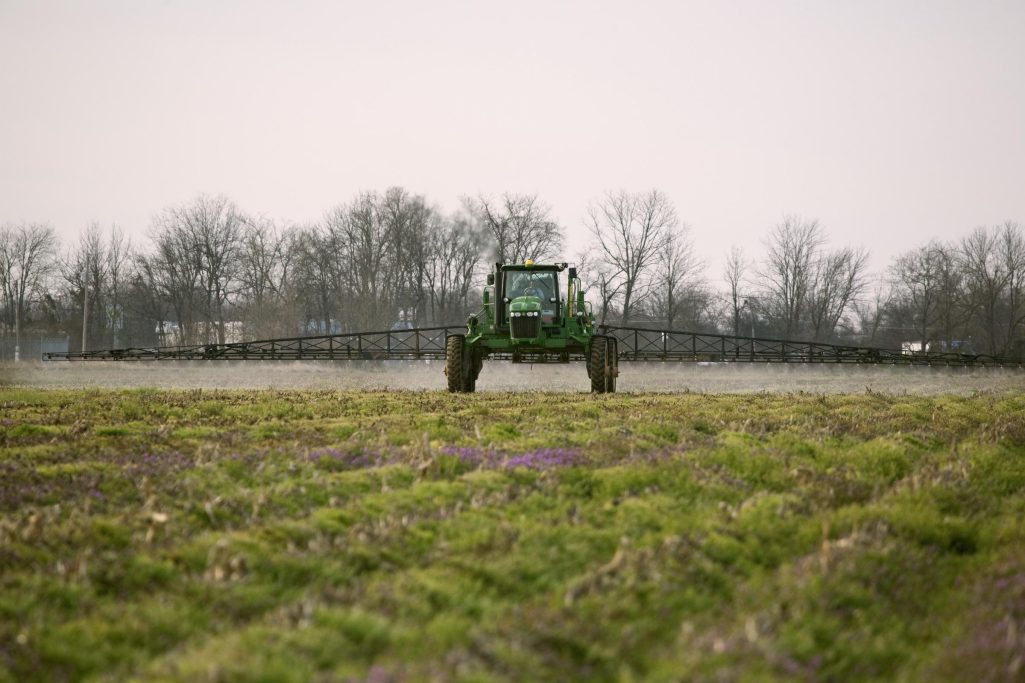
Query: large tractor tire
603,365
454,346
596,364
462,366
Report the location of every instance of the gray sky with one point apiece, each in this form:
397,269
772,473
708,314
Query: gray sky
890,122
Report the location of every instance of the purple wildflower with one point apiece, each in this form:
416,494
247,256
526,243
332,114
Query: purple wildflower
545,458
542,459
470,455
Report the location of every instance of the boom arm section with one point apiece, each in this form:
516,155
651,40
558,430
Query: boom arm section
632,344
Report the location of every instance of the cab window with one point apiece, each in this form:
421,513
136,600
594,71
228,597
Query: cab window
540,284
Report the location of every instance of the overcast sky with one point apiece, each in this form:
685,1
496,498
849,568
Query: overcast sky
890,122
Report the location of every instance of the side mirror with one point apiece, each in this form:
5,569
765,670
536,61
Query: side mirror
491,278
573,273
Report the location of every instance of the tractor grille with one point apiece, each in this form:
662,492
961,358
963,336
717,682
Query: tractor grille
525,328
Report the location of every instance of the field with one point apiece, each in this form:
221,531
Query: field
275,534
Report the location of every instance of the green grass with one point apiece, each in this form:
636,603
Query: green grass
288,535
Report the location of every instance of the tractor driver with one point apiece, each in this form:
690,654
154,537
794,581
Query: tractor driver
534,287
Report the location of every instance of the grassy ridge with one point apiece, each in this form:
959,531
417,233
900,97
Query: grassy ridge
408,536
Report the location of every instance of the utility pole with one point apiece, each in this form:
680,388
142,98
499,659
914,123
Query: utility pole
85,307
749,305
17,326
751,312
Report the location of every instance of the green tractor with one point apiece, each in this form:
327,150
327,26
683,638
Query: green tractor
531,314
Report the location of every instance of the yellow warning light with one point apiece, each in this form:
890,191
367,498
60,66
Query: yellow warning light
529,262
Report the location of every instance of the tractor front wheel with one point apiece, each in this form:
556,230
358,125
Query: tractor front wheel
454,362
460,367
603,365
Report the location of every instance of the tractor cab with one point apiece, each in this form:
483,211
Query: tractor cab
527,298
535,292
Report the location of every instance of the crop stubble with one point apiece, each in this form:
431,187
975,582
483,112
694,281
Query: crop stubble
409,535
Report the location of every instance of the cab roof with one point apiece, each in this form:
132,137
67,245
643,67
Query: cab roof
557,267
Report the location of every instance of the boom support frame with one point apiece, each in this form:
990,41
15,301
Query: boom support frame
632,344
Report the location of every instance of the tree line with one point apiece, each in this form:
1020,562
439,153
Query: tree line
210,272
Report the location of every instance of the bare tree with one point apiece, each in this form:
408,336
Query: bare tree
992,268
950,312
27,257
630,231
679,293
172,271
316,282
146,302
411,225
85,271
97,272
454,255
985,284
520,226
216,226
917,284
735,273
366,252
196,264
264,269
871,311
837,278
119,275
602,280
791,254
1011,252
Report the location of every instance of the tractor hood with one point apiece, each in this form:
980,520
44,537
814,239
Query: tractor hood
525,318
525,304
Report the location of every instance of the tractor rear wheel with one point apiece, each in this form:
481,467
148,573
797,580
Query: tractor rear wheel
602,365
454,363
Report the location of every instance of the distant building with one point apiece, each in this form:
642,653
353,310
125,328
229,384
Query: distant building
964,346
